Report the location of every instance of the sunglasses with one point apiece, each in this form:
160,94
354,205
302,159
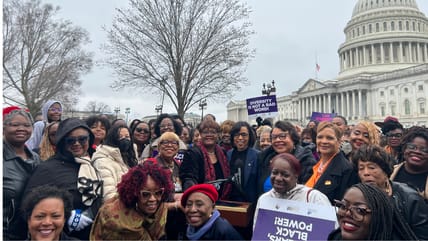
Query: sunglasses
139,130
70,140
148,194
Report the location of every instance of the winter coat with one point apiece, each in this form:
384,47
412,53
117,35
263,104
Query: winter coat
412,207
16,173
249,180
108,161
337,178
303,154
221,230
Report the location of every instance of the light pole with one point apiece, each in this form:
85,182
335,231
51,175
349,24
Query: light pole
116,110
158,109
269,89
202,106
127,111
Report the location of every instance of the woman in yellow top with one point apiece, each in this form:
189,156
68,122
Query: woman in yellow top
333,173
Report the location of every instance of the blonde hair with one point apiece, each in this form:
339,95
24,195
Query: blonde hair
168,136
263,129
47,149
373,130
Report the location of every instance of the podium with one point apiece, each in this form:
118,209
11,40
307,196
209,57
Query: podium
239,214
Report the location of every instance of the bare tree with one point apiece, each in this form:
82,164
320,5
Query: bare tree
97,107
42,56
190,50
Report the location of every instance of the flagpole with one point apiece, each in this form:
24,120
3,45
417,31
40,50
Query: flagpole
317,67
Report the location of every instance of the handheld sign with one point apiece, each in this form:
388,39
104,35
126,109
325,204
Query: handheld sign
281,219
319,116
262,106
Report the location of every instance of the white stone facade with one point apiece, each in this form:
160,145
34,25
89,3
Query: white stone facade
383,70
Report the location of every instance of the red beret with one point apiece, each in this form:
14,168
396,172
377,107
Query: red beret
207,189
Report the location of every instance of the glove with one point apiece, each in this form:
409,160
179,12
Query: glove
78,221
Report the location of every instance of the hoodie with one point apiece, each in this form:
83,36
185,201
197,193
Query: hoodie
39,126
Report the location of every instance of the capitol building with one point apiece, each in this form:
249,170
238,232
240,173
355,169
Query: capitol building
383,70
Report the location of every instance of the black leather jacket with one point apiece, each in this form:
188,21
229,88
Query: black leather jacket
16,173
412,207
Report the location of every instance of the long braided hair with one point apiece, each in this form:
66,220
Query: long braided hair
386,222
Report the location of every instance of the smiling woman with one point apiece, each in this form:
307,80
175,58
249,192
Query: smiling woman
19,162
138,212
46,210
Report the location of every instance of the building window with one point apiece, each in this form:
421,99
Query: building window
420,87
422,107
377,27
382,94
364,30
385,28
400,25
382,110
407,26
407,107
391,92
370,28
392,26
392,109
406,90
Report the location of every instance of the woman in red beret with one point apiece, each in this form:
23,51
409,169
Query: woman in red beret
204,221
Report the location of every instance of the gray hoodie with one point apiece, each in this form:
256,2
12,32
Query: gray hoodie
39,126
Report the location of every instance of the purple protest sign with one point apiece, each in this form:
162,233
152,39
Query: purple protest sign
287,226
262,106
282,219
319,116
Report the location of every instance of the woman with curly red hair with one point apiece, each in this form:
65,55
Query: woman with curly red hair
138,212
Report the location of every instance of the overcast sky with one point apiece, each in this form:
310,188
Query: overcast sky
289,37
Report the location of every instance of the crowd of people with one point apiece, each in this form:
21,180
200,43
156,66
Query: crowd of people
96,179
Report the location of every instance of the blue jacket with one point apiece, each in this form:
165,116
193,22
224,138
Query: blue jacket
250,178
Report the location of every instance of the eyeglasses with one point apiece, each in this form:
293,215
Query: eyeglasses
52,134
414,147
53,109
70,140
243,134
281,136
208,132
357,213
139,130
394,135
18,124
166,126
172,143
147,194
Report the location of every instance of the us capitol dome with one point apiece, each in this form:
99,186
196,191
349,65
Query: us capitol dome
383,35
383,70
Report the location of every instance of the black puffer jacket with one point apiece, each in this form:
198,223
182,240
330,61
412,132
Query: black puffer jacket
62,171
16,172
303,154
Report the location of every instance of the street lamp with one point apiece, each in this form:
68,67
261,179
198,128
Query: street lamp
202,106
269,89
127,111
158,109
116,110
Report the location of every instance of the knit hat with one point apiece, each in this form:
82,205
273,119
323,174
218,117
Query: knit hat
207,189
9,109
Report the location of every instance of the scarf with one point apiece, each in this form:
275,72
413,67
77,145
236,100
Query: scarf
210,170
193,234
88,183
